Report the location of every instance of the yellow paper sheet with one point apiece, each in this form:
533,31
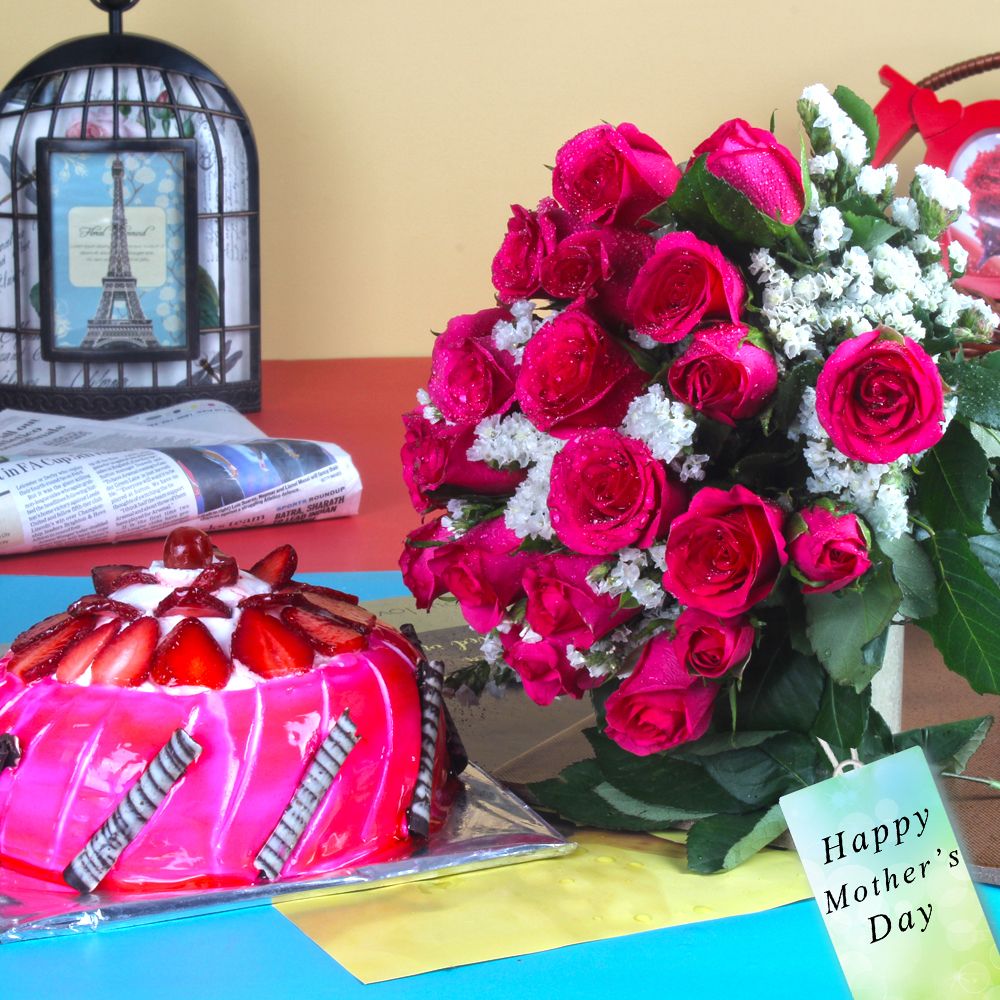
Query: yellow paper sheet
613,884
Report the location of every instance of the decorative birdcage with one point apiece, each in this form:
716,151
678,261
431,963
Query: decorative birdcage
129,231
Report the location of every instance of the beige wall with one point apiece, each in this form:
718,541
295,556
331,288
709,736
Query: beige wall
393,135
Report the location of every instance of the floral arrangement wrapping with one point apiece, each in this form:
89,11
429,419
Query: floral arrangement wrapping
725,427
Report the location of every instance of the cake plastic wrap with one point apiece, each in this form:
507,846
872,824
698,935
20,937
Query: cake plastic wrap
486,826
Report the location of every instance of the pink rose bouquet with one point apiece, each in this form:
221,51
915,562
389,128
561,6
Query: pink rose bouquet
726,427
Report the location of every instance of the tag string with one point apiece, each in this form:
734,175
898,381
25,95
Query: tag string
840,766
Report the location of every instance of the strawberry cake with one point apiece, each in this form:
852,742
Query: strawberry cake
190,724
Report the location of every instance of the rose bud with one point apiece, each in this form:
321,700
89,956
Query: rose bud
607,491
725,552
829,549
711,646
471,377
598,266
544,670
434,455
421,544
608,174
660,705
531,237
880,396
563,607
723,374
756,164
574,374
684,282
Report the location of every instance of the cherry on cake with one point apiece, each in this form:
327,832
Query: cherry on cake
191,724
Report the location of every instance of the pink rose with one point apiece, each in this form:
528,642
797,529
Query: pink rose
607,491
434,455
471,377
531,237
608,174
483,572
563,607
660,705
598,265
756,164
575,374
724,375
684,282
421,545
880,396
724,553
711,646
830,550
544,670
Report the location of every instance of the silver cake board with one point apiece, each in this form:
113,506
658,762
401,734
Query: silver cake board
487,826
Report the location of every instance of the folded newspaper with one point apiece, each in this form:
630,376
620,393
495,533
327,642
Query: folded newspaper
69,481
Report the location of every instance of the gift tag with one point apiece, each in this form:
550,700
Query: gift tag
891,882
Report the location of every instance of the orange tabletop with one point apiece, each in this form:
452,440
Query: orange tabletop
355,403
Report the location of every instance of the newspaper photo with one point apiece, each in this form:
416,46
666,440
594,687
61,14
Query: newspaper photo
72,481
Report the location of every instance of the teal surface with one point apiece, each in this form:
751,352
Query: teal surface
256,953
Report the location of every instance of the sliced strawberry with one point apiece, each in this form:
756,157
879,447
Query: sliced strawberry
133,576
312,588
80,653
277,567
325,634
126,659
94,604
193,603
269,648
265,602
352,615
222,573
39,658
189,654
105,577
39,630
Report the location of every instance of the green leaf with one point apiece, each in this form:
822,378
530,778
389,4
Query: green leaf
978,387
788,398
661,779
966,626
949,746
953,487
987,550
861,113
989,439
843,716
759,775
841,624
868,231
661,217
35,298
208,301
720,843
782,688
913,571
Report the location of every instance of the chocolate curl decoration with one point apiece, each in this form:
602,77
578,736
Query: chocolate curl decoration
431,685
86,871
10,750
329,759
457,754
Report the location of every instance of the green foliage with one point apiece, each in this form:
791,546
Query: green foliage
723,842
842,624
860,112
953,487
966,626
978,387
948,747
913,571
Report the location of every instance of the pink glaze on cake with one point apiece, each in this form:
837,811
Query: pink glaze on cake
85,744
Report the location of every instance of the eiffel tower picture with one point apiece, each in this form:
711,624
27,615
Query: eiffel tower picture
119,321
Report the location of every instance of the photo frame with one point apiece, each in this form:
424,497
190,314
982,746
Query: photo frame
118,249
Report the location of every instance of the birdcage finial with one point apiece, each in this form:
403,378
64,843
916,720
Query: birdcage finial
115,9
